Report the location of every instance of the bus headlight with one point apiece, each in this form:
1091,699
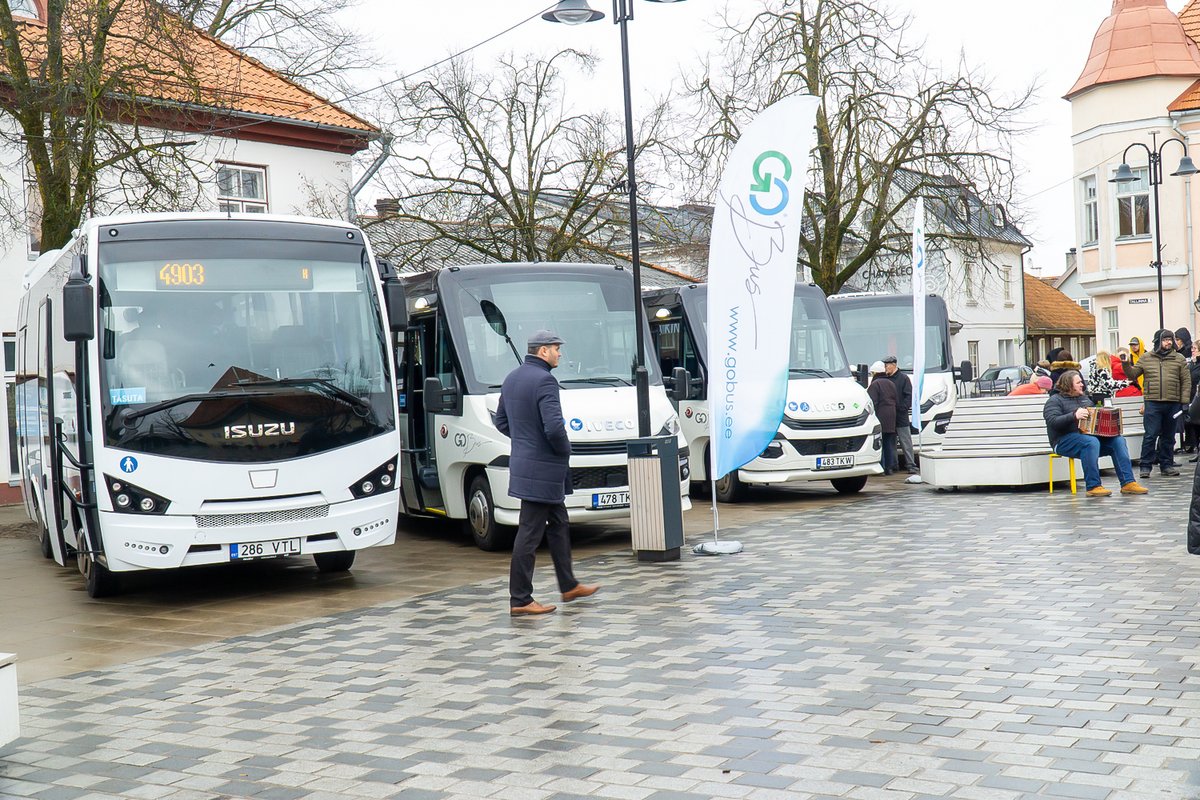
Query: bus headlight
670,427
938,397
129,499
380,479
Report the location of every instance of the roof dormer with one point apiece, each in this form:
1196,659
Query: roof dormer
1139,39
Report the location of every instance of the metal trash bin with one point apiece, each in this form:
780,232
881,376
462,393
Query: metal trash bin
655,508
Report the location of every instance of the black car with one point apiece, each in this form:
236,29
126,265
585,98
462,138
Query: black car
998,381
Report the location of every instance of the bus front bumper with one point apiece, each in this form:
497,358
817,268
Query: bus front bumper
136,542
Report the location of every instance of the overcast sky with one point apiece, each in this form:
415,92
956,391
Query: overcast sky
1017,42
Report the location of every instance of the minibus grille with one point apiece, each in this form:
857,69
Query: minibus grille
261,517
824,447
599,477
598,448
824,424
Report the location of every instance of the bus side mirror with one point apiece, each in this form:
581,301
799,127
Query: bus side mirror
438,399
966,372
79,310
396,300
860,374
681,380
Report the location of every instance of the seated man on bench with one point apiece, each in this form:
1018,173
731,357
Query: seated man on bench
1063,412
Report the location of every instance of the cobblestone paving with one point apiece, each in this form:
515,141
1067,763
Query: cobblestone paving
991,646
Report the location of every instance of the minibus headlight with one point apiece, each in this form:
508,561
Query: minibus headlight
670,427
129,499
938,397
380,479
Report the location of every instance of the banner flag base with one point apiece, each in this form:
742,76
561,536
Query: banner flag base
913,479
717,548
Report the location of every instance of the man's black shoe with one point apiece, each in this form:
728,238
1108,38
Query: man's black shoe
1143,475
1170,472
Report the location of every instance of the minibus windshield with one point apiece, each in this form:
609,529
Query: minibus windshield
591,309
874,327
815,349
256,331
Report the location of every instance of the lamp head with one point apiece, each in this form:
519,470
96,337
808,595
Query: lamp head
1124,175
1186,167
572,12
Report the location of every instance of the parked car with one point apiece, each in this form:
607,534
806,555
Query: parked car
1002,380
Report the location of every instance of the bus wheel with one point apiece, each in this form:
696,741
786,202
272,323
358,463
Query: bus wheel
481,518
335,562
849,485
730,489
100,581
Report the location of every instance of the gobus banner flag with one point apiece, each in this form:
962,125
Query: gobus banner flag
918,274
757,218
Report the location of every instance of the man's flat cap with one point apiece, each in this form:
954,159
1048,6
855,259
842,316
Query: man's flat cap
544,337
889,359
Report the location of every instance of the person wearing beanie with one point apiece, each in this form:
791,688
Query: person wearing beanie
1039,385
1167,385
883,396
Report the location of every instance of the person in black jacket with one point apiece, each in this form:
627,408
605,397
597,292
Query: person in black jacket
1193,528
904,398
883,396
1062,412
530,414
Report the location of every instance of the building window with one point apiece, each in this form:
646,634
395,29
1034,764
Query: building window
1005,351
1091,212
1133,205
1006,275
241,188
969,289
1111,333
23,8
33,212
973,355
1085,304
10,400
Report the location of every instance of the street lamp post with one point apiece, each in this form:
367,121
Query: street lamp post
577,12
1125,175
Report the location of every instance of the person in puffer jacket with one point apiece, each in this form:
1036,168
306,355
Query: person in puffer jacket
1167,385
1062,412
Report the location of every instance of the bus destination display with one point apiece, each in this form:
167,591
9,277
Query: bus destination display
231,276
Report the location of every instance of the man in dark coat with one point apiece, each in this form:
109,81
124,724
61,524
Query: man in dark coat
530,414
904,397
883,397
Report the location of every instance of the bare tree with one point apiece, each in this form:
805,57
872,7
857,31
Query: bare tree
496,166
888,130
301,39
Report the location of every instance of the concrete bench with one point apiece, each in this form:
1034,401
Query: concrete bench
1002,441
10,719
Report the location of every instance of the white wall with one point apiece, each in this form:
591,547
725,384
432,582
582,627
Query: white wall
299,181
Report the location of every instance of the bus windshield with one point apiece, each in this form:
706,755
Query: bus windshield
590,308
815,349
205,342
874,327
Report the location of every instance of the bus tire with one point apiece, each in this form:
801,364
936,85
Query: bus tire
481,518
730,489
340,561
100,581
849,485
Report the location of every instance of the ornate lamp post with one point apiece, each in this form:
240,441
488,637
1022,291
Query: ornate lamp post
577,12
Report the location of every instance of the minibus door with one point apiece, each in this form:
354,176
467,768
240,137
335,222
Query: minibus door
419,481
51,460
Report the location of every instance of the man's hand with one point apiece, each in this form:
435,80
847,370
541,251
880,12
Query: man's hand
1081,413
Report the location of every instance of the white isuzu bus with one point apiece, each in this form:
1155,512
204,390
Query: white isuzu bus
876,325
467,330
829,431
201,389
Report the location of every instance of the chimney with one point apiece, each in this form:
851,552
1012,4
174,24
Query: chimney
1072,258
387,207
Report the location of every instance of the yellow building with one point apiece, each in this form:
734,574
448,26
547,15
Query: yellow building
1141,84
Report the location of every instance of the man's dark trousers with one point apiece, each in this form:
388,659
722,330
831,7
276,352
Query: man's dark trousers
540,520
1158,444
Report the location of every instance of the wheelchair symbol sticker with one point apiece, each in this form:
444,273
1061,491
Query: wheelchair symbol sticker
128,464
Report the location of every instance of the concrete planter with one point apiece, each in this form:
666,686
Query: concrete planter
10,718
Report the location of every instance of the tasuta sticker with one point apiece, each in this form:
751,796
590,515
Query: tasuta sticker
126,396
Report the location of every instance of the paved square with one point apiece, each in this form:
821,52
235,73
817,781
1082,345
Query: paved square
904,646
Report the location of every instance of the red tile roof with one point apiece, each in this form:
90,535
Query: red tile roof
220,78
1048,309
1139,39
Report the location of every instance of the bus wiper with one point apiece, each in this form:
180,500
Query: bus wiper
324,383
129,415
811,371
605,380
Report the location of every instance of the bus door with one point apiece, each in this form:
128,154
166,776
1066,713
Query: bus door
419,481
51,487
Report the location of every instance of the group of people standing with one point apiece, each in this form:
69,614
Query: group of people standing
891,394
